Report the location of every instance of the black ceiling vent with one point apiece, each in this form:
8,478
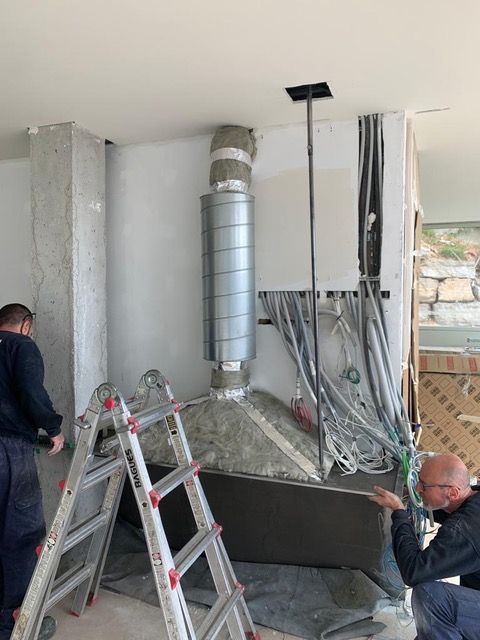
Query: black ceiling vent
320,91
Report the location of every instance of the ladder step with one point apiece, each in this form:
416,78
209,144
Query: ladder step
85,528
144,419
217,615
68,582
175,479
101,471
194,548
106,420
147,417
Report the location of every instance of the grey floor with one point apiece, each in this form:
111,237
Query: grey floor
118,617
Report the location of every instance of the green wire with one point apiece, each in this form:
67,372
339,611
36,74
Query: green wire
352,375
405,464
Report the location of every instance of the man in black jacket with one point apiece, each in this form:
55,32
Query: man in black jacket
442,611
25,407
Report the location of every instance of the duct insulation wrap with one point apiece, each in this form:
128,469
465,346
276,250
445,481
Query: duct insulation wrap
228,276
232,152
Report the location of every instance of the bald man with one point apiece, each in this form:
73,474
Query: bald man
442,611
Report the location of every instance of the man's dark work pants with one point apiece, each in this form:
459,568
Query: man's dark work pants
22,525
445,611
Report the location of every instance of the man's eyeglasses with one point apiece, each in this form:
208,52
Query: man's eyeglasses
424,486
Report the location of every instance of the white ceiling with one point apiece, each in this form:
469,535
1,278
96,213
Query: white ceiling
155,70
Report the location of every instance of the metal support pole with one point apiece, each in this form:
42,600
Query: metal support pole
313,251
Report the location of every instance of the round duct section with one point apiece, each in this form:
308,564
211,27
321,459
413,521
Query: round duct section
228,276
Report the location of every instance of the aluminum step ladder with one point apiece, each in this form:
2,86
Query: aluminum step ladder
129,419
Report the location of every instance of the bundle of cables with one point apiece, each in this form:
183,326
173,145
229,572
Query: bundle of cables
353,433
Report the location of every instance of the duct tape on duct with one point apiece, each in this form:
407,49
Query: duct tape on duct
232,151
230,379
278,439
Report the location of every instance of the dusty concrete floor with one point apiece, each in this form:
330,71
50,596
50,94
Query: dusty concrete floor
118,617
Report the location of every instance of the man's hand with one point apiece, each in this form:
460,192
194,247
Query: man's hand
57,444
386,499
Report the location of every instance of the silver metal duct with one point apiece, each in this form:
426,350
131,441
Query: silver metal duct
228,276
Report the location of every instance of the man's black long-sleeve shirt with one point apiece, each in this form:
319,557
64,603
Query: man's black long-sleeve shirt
25,405
454,551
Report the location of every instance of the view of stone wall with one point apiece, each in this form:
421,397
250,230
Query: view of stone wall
449,279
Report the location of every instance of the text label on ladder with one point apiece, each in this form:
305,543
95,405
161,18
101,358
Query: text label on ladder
133,468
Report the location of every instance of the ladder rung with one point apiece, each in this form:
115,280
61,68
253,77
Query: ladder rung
217,615
67,584
94,462
109,443
85,529
174,479
147,417
102,470
106,418
194,549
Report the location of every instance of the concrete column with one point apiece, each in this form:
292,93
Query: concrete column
68,274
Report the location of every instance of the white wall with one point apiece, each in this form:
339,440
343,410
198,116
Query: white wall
280,186
449,186
154,305
154,295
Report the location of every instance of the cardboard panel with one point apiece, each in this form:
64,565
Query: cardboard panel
449,363
443,397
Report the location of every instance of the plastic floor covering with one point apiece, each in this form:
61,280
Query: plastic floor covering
312,603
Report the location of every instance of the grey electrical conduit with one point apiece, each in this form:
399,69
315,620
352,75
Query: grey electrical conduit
367,204
344,330
298,358
366,286
409,433
372,432
301,324
379,406
389,398
382,414
401,409
324,372
371,383
386,384
292,347
275,316
346,406
384,387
